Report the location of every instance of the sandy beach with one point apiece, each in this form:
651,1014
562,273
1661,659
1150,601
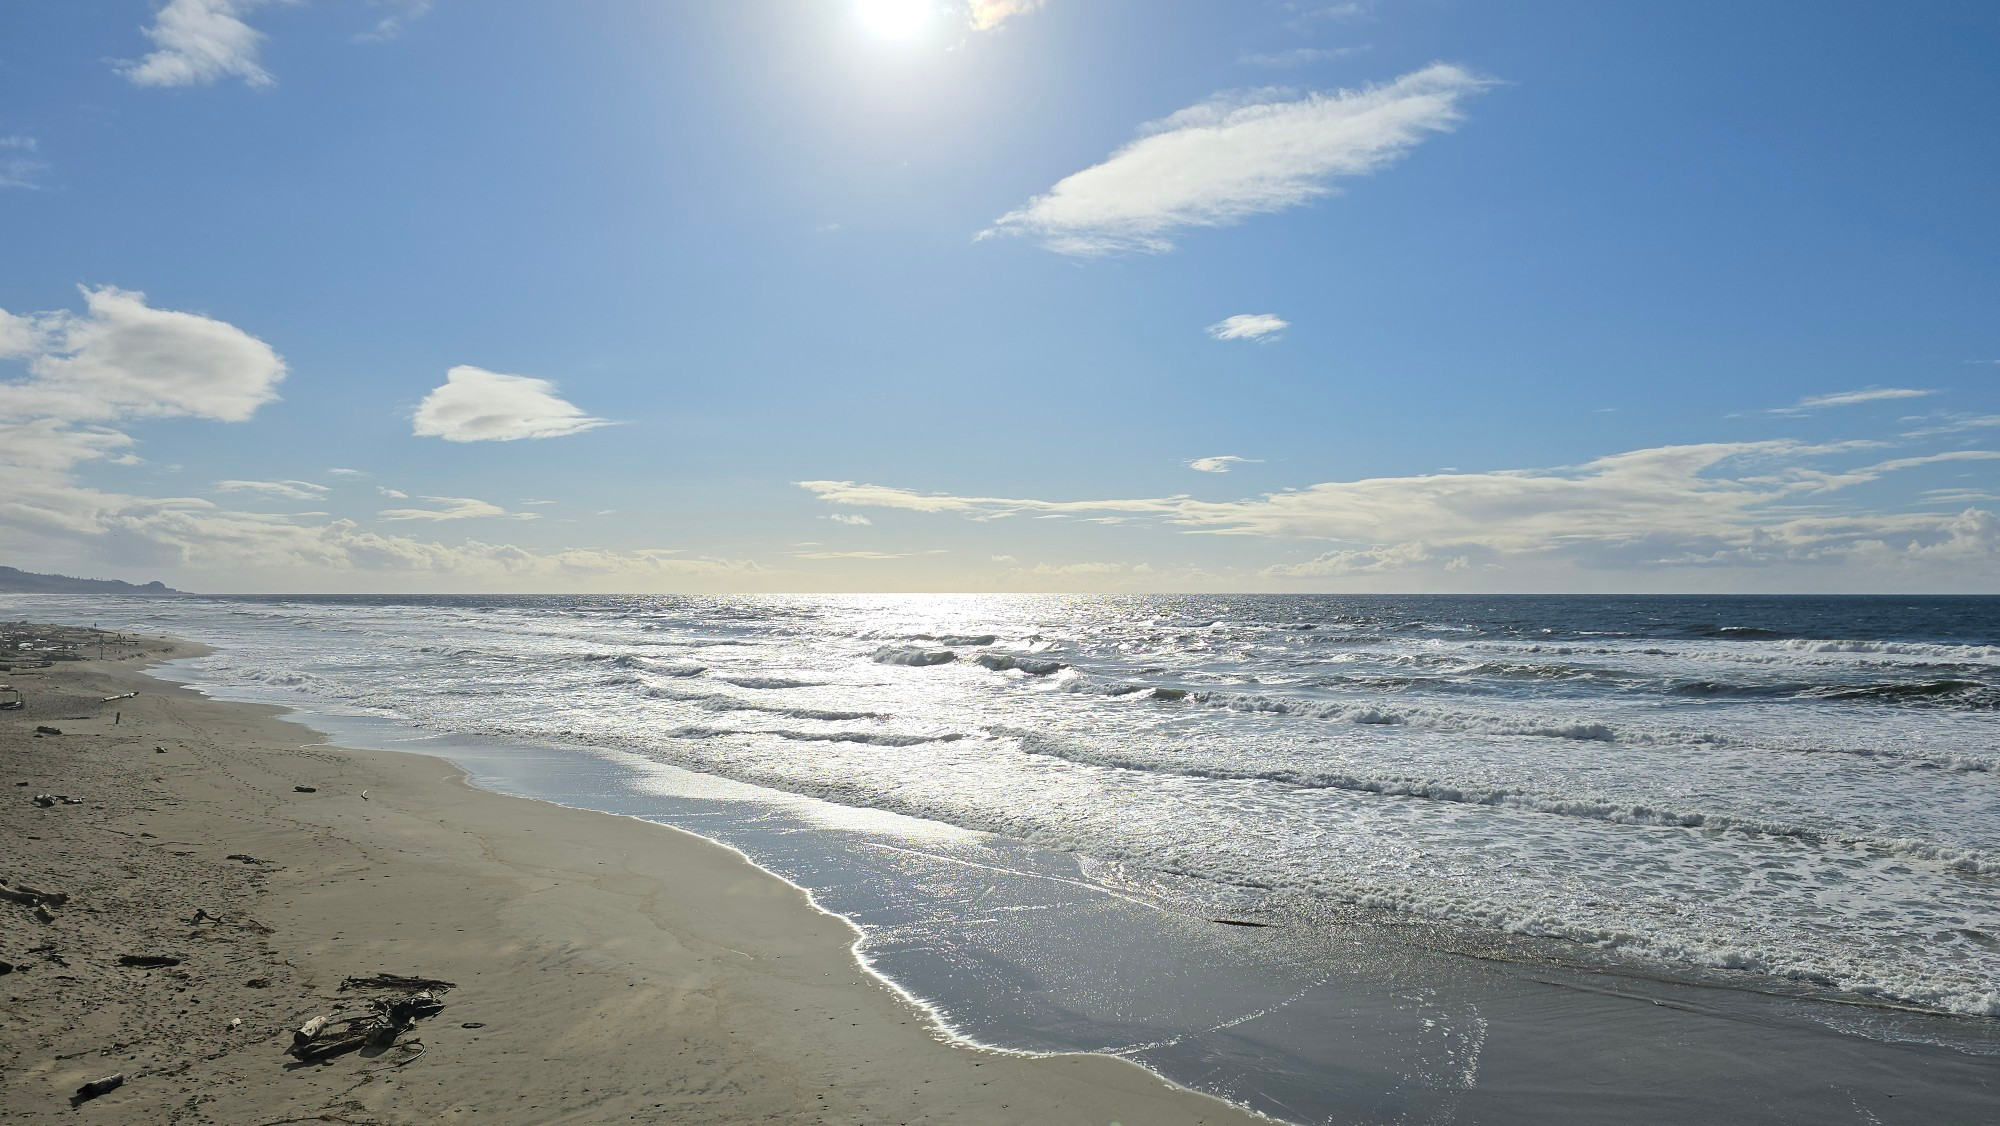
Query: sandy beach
604,969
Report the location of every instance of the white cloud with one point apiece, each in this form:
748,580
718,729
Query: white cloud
21,336
849,518
392,494
1367,561
1850,398
1261,327
339,472
538,503
452,508
125,358
1224,160
989,14
199,42
850,555
19,167
1221,463
476,405
285,490
1954,424
1710,504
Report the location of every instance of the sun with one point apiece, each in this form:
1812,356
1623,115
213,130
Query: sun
894,19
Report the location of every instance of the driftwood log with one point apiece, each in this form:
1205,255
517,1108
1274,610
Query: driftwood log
396,981
98,1087
31,897
334,1034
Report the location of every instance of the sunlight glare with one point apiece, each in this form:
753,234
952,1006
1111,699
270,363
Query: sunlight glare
895,19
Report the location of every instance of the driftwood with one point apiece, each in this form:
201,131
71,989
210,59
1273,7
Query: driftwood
43,913
98,1087
305,789
335,1034
148,961
44,800
396,981
324,1037
32,897
42,730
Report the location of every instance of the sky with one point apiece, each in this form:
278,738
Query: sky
1001,295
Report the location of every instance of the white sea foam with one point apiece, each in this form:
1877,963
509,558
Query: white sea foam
1824,810
911,655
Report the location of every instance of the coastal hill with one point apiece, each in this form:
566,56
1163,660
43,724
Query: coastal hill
16,581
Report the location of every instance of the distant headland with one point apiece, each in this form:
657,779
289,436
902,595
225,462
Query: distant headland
16,581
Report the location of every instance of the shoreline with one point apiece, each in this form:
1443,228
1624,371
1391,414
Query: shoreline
614,976
1387,1025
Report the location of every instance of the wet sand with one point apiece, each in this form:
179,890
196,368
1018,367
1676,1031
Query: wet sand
606,969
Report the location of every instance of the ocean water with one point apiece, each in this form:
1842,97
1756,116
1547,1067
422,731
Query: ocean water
1802,788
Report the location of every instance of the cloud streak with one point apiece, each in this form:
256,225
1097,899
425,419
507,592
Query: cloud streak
1220,162
1708,504
453,508
1851,398
986,15
1261,327
283,490
1221,463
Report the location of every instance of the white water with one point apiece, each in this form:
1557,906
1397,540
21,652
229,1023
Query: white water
1824,808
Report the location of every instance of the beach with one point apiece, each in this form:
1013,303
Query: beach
605,969
586,815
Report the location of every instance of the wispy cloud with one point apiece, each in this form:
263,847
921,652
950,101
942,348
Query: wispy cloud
849,518
339,471
1261,327
1221,463
453,508
986,15
1710,504
392,494
476,405
1226,159
19,166
401,13
1297,56
1953,424
1850,398
284,490
850,554
200,42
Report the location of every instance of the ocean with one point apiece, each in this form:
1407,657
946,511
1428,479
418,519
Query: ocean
1792,795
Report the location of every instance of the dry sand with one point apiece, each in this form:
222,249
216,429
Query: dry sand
612,970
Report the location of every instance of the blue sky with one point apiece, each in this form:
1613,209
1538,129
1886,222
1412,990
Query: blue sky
1007,295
